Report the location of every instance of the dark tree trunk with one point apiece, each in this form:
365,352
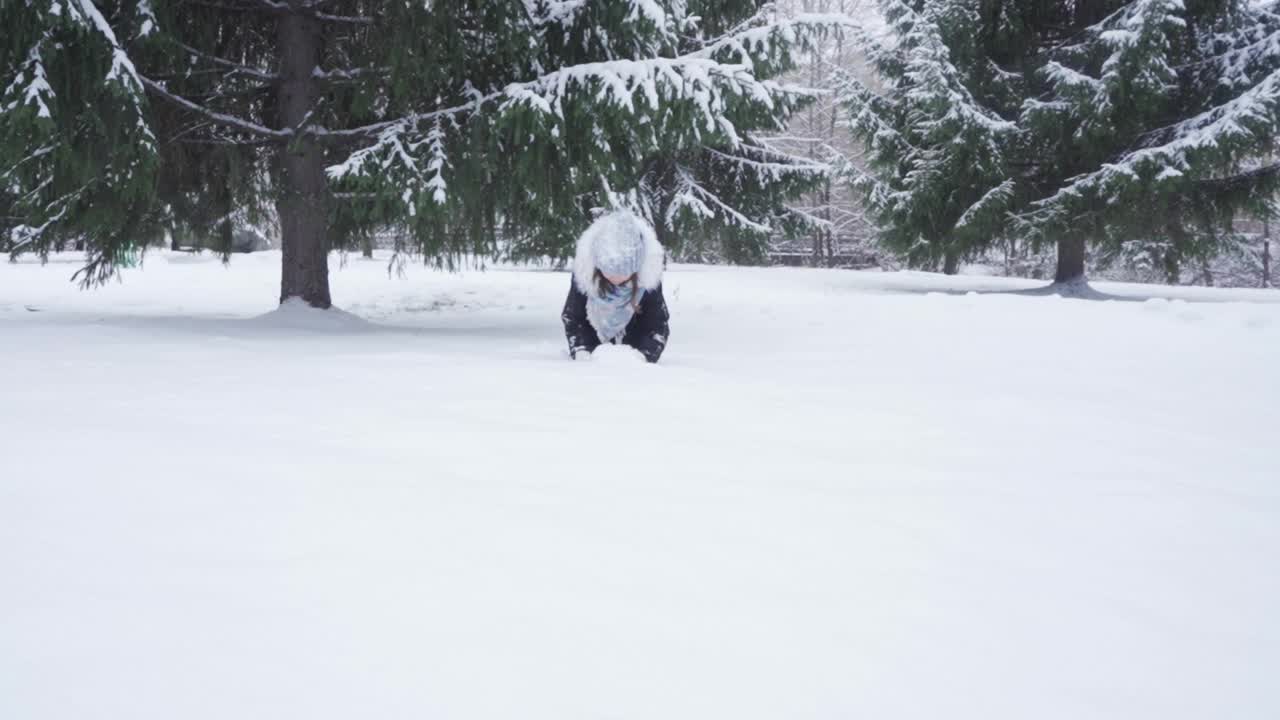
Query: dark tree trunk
951,263
1172,269
366,247
1070,260
1266,254
828,232
303,204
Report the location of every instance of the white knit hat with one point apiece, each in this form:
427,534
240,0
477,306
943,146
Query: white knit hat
619,248
619,243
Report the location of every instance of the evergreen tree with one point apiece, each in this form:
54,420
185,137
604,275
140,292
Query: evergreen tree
1141,121
1147,122
938,186
491,128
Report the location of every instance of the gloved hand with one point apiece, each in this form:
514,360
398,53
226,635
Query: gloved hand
580,353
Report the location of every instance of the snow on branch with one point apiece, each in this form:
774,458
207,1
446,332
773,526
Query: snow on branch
930,77
770,170
216,117
348,19
341,75
1137,38
809,217
235,67
31,85
621,82
559,12
650,10
1069,79
745,42
992,203
23,235
1256,45
1224,134
149,22
877,194
32,156
692,195
636,87
868,111
685,199
567,15
436,163
122,69
63,24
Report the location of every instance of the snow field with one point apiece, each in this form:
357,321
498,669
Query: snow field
839,495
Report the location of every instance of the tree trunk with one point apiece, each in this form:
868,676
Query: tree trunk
303,204
1172,269
1266,254
828,232
366,246
951,263
1070,260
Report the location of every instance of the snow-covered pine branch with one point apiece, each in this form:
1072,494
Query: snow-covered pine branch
693,196
699,85
1233,54
37,111
773,164
1220,137
767,39
1137,39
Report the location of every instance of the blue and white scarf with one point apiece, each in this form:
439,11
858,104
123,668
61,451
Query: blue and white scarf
610,314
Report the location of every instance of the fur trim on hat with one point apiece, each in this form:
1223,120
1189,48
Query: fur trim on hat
650,274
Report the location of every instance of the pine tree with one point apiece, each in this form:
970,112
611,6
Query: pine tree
1147,122
1120,123
938,186
493,128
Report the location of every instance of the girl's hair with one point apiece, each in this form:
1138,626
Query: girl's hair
604,287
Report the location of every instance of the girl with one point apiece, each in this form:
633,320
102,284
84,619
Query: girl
615,295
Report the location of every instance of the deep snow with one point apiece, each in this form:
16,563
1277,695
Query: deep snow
840,495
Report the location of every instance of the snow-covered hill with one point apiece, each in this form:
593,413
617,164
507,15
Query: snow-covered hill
840,495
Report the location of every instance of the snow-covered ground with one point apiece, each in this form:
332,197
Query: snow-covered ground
840,495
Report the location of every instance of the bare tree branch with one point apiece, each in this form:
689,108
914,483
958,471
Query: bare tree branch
272,8
235,67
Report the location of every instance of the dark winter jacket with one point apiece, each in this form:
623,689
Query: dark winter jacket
647,331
